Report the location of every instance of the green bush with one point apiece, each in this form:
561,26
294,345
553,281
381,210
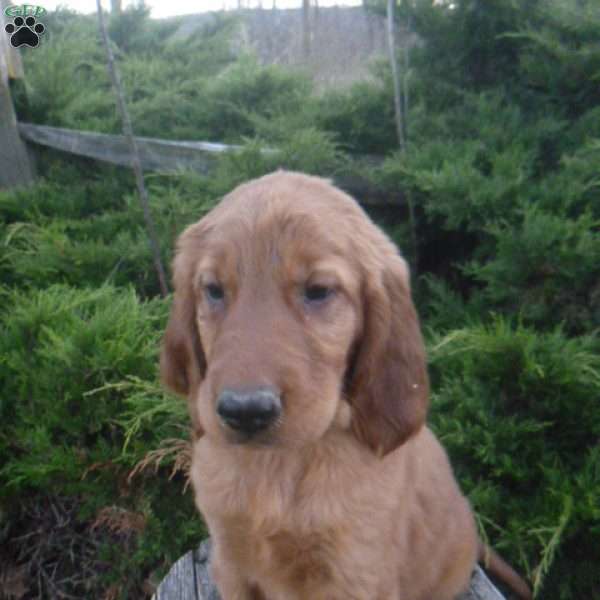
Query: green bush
518,413
545,268
93,231
73,341
362,118
76,367
164,79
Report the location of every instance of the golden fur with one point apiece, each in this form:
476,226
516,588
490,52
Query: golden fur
349,495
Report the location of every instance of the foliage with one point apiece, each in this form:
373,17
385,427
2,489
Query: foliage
362,117
64,353
545,267
91,233
503,407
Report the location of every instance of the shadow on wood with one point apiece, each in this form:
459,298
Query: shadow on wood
188,579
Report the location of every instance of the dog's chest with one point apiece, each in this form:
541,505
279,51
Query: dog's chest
300,538
290,550
295,531
301,560
320,565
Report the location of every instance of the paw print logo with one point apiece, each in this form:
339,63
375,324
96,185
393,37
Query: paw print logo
25,32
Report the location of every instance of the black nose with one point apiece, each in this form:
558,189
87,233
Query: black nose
249,411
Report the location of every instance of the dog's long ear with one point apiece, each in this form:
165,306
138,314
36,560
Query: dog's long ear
182,360
389,388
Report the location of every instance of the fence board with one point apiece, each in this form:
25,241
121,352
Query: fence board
156,155
170,156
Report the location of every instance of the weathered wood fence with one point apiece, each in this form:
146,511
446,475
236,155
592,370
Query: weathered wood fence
156,154
168,156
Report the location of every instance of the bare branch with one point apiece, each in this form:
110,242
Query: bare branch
135,156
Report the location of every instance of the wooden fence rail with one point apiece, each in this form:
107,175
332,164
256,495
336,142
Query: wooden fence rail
156,154
168,156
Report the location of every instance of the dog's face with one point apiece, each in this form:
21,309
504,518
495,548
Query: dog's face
287,297
277,310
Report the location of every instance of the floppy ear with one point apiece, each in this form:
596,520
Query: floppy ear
389,387
182,360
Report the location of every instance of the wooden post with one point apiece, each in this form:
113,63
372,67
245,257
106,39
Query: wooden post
15,168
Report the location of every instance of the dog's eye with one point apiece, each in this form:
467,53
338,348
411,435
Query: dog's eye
214,292
317,293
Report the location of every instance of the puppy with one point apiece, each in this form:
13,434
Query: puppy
295,340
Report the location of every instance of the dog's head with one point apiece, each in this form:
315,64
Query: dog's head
292,313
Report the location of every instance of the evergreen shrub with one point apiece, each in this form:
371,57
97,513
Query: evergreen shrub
76,371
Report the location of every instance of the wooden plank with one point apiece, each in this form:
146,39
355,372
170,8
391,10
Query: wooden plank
189,579
167,156
481,588
155,154
15,168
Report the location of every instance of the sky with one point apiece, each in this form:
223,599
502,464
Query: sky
169,8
